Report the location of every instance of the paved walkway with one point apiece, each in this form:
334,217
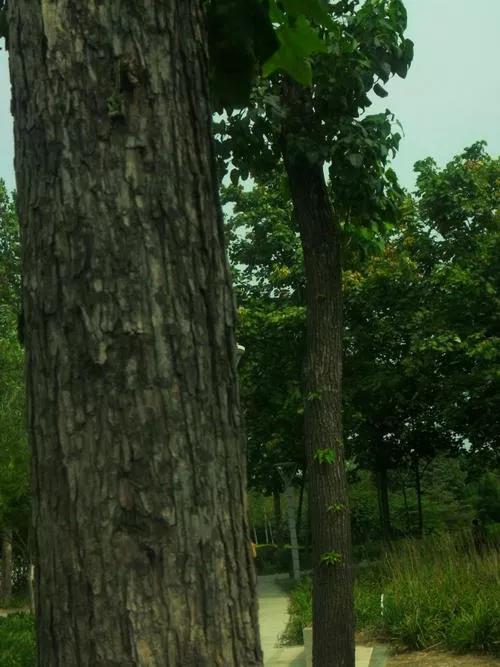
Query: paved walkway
273,616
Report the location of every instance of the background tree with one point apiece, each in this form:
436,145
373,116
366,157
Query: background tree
460,205
423,326
14,498
304,128
404,363
266,260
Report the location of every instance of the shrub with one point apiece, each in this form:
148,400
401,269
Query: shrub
272,559
436,593
300,612
17,641
442,593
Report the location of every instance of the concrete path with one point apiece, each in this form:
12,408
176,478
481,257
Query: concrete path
273,616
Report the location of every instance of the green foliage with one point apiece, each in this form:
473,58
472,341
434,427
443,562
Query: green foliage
14,496
325,455
17,641
336,507
4,27
298,41
266,261
440,593
272,559
331,558
251,37
299,612
270,378
421,352
264,245
485,496
360,45
241,39
460,204
428,307
10,263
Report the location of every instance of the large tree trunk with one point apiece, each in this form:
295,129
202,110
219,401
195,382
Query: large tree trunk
333,615
6,590
141,537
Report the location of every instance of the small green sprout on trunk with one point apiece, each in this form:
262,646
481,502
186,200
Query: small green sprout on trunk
336,507
331,558
325,455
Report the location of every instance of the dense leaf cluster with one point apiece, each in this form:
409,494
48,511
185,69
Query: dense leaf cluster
14,502
422,340
351,56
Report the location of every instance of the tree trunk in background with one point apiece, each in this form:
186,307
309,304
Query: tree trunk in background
418,489
301,504
278,518
141,538
333,613
7,566
31,587
382,483
407,512
292,531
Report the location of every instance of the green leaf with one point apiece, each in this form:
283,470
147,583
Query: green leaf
313,9
325,455
336,507
403,64
331,558
298,43
356,159
378,90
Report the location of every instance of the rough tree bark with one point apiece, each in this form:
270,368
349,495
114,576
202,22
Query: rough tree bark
141,538
333,608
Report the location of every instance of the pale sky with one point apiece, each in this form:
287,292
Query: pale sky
450,98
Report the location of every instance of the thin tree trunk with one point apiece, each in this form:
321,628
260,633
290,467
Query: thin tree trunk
31,587
292,530
418,489
31,568
278,517
141,538
265,527
407,512
301,503
383,501
6,592
333,614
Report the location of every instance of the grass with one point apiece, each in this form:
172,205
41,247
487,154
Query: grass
17,641
438,593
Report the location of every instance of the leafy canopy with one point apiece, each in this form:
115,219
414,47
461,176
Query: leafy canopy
14,503
362,46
